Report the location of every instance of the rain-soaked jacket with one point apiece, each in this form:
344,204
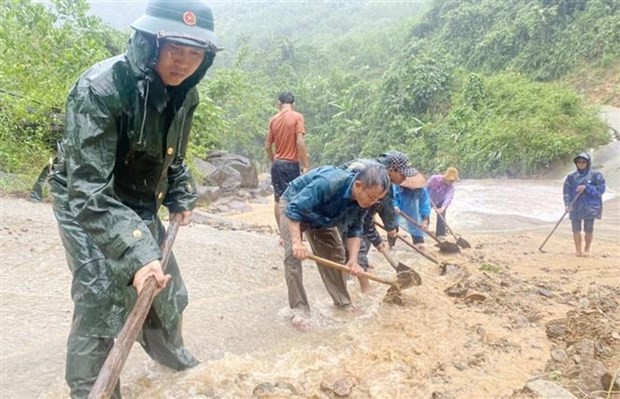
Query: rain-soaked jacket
589,205
121,158
414,203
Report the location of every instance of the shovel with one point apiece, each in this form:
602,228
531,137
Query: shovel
570,206
418,250
443,266
393,294
444,246
111,369
460,241
406,276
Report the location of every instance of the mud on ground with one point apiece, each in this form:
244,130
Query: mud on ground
502,315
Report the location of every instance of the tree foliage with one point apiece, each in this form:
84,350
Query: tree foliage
471,83
44,49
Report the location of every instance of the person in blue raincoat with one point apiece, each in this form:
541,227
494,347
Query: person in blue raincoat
583,198
416,204
122,157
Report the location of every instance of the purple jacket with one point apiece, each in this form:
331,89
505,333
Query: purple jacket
441,193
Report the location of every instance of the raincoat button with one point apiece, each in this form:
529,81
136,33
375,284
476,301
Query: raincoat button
137,234
160,195
170,151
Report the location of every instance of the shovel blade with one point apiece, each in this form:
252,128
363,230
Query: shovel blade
449,247
461,242
407,277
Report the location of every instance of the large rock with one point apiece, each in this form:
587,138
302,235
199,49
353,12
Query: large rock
208,193
548,390
223,176
225,161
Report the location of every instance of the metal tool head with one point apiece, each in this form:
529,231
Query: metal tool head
448,247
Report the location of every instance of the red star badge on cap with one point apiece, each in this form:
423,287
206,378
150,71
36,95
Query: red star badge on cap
189,18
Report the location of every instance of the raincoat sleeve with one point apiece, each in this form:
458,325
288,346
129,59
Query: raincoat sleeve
596,186
567,191
425,204
181,195
90,151
448,197
395,196
387,212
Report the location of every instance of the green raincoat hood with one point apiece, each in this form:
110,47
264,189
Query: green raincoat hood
142,55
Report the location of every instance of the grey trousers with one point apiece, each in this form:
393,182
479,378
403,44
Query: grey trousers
325,243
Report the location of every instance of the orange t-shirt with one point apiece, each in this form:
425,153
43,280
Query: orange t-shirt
283,130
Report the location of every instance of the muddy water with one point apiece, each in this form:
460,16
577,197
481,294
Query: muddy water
237,321
494,205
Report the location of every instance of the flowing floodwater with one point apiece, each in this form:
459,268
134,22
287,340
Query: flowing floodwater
237,321
494,205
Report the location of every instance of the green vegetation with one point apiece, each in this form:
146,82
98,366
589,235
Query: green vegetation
43,51
490,267
485,85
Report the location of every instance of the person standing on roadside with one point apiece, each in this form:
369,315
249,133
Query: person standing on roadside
122,157
285,145
441,191
317,203
583,198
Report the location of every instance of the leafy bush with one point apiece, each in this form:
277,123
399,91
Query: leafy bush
48,46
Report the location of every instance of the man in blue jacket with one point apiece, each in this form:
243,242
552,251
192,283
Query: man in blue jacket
583,198
317,203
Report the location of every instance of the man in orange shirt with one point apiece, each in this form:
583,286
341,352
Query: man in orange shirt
286,135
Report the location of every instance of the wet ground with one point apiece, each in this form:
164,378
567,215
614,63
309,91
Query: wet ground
237,322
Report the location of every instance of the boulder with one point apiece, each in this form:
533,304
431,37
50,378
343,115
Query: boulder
548,390
247,171
208,193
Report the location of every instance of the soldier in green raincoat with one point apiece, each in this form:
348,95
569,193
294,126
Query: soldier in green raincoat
127,127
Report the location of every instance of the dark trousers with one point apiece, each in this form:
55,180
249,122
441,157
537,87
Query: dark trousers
440,230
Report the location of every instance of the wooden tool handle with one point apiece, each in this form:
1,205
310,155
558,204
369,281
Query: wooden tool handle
559,221
338,266
418,225
443,219
418,250
390,260
111,369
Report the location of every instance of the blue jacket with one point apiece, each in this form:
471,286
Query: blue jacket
323,198
589,205
414,203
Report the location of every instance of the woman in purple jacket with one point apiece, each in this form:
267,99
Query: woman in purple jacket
441,190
